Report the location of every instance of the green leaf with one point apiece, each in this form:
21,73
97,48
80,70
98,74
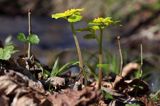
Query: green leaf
84,29
90,36
58,15
132,105
66,66
6,52
103,65
33,39
95,28
138,74
106,94
21,37
46,73
9,47
55,68
74,18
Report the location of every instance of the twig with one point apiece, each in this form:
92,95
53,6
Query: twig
141,49
120,53
29,33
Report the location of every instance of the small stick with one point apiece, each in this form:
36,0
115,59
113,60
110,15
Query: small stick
141,49
29,22
120,53
29,33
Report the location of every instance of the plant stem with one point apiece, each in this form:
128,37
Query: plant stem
78,51
29,33
120,53
100,56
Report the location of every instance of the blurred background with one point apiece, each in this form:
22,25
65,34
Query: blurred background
139,19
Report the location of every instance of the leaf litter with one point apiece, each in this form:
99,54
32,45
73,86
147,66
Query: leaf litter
17,88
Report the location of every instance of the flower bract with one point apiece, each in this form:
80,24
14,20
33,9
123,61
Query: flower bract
72,15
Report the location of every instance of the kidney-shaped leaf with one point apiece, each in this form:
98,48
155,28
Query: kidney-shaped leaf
33,39
21,37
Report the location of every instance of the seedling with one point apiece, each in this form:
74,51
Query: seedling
31,39
72,16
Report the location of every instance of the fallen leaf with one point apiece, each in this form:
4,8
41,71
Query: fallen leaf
129,68
71,97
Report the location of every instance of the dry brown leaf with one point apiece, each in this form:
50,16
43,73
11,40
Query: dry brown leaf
22,91
102,103
138,87
118,82
4,100
112,92
56,82
36,86
7,85
116,103
129,68
25,101
147,101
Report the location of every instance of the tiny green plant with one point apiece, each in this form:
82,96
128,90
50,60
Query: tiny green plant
8,50
57,69
31,39
72,16
99,24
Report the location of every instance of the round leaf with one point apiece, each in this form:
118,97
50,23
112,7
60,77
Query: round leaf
33,39
21,37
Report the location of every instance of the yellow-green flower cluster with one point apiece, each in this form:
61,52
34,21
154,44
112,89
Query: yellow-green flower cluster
105,21
72,15
100,22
